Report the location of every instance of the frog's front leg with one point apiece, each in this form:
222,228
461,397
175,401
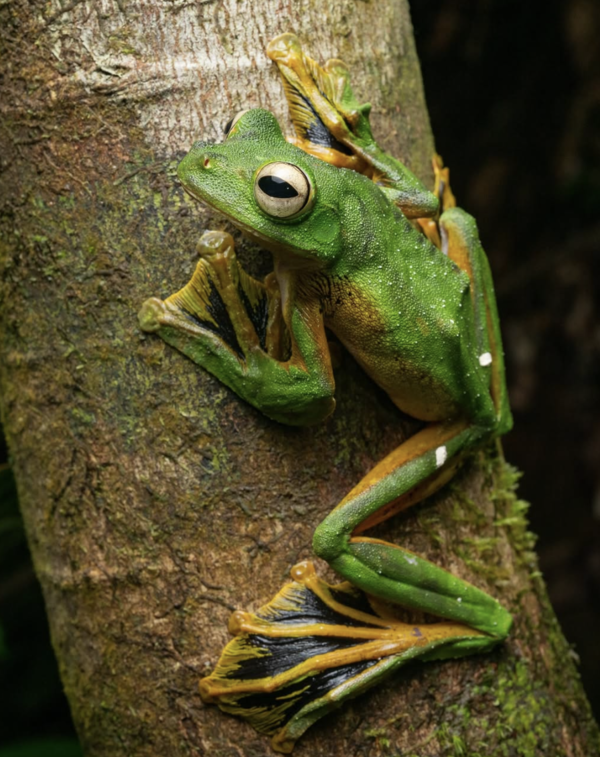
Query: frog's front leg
273,354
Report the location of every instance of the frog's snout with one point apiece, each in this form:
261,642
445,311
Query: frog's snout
201,158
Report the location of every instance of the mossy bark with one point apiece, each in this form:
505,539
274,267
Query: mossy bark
155,500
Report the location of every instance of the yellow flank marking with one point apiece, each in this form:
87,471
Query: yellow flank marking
459,254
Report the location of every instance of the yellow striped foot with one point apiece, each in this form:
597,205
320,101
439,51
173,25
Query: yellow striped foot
313,646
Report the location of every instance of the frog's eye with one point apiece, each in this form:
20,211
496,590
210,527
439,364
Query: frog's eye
282,190
232,122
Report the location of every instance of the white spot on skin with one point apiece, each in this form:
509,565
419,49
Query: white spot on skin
411,560
459,599
441,455
485,359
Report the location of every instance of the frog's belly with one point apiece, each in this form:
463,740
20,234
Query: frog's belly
416,392
404,359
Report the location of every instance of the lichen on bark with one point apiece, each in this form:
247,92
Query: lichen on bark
156,501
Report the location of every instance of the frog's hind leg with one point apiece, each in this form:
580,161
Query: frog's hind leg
312,647
410,473
460,242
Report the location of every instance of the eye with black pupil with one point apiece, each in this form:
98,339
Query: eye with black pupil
228,125
276,187
282,190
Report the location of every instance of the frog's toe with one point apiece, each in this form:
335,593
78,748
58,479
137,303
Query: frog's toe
213,243
442,184
156,314
283,47
151,314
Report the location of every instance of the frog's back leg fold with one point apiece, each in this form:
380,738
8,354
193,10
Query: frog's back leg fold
460,241
416,469
314,646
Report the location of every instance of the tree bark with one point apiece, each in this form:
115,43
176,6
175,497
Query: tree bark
155,500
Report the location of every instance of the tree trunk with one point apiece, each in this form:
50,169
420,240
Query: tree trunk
155,500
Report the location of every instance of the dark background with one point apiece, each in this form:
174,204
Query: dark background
513,89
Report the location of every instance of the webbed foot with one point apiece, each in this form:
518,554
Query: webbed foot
328,120
312,647
332,125
222,304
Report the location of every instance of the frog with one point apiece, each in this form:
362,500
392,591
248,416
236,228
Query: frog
397,273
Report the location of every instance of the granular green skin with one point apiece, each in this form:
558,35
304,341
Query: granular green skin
155,501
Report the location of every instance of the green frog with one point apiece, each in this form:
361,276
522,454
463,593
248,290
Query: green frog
399,275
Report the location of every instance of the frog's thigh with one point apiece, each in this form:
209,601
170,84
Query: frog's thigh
416,469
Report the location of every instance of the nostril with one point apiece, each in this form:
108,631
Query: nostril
206,162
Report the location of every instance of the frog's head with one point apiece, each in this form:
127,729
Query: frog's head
287,200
